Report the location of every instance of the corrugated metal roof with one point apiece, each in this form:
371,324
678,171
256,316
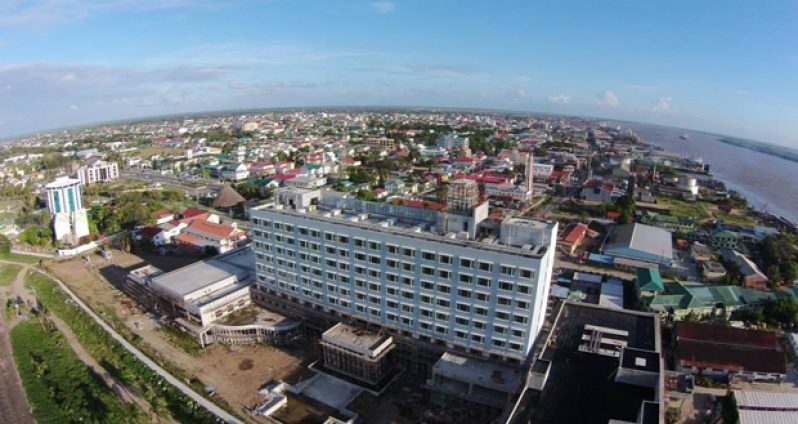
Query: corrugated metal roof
642,238
772,400
748,416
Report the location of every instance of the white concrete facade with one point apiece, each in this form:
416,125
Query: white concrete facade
98,172
481,296
65,202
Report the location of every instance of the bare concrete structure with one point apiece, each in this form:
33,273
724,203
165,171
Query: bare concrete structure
356,353
459,378
267,327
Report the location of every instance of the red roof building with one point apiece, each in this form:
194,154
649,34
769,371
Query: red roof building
193,213
572,237
413,203
720,351
200,233
162,215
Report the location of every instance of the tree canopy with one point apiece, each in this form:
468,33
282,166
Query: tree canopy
779,257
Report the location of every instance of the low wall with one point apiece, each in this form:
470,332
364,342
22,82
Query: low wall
86,247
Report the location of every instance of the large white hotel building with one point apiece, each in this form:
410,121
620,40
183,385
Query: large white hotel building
452,278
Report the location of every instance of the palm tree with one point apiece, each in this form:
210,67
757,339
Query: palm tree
125,241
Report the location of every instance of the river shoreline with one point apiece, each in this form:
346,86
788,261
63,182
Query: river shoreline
763,179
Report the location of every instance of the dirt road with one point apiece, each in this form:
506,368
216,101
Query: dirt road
13,403
120,389
220,366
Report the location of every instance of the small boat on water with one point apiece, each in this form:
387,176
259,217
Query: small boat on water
684,136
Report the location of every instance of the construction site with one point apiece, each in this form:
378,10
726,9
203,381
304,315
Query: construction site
323,369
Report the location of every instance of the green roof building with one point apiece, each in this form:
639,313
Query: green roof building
680,299
649,280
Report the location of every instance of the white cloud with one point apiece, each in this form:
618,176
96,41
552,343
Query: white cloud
608,98
73,107
383,6
663,105
559,99
237,85
516,93
54,12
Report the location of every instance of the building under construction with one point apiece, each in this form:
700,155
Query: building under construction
462,195
356,353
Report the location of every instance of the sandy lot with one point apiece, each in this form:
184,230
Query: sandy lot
219,366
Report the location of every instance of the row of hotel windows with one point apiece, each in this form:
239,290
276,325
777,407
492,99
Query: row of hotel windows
519,318
499,340
407,281
376,246
483,281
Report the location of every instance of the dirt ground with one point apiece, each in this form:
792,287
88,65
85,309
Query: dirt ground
217,365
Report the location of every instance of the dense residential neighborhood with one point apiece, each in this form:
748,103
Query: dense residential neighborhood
462,254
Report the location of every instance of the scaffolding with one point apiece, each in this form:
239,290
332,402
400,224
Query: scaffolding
462,195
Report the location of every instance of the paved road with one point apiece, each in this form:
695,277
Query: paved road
13,404
207,404
561,262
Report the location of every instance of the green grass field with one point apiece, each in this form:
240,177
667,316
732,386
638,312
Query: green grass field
743,220
8,273
682,208
17,257
58,384
148,152
165,399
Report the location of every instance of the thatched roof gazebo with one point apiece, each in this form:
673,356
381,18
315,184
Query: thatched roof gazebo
227,198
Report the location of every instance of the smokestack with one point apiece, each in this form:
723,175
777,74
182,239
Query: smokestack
530,172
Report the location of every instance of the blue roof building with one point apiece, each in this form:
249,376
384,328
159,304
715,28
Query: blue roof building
640,246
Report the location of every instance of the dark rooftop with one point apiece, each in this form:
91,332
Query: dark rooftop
730,357
725,335
638,359
581,387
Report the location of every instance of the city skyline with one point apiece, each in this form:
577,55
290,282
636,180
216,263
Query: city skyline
74,63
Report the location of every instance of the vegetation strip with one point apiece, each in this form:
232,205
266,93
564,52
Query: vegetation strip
121,364
59,386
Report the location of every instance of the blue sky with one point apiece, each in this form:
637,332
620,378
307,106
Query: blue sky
723,66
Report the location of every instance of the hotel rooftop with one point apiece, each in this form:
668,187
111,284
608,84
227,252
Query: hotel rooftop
422,223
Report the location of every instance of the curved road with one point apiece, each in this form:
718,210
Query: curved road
207,404
13,404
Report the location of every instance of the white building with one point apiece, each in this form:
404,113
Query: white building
209,290
235,172
65,203
393,266
306,182
452,141
98,172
